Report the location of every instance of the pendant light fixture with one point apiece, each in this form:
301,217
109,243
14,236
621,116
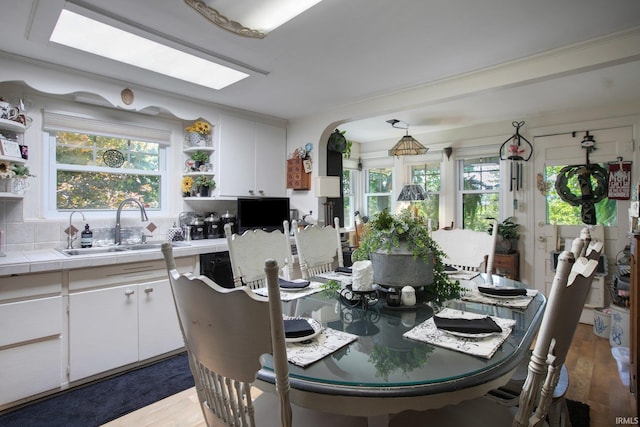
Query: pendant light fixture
407,146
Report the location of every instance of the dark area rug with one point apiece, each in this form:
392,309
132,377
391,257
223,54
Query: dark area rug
106,400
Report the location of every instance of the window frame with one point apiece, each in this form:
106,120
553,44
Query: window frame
366,194
499,190
354,197
67,122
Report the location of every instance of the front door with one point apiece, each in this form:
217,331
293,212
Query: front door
566,149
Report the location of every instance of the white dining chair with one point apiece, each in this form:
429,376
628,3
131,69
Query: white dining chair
466,249
248,251
319,248
226,332
571,284
510,393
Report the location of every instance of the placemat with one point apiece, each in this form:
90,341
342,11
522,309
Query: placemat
291,295
482,347
330,340
473,295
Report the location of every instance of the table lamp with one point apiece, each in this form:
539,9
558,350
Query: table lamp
411,192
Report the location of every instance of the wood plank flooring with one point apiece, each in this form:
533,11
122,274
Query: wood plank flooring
593,375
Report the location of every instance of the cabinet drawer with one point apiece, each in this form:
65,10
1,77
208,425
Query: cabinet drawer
25,286
30,320
30,369
136,272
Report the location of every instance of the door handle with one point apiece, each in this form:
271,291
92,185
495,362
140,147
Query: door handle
129,292
148,290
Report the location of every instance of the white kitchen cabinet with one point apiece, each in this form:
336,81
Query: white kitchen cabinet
158,328
31,321
252,158
120,315
103,330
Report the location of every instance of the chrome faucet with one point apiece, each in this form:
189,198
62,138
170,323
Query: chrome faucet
71,236
143,217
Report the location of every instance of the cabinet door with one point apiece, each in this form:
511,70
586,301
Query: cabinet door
103,330
271,165
236,176
159,331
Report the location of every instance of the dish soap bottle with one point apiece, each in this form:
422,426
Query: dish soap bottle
86,237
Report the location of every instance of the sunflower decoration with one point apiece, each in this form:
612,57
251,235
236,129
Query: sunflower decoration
187,183
201,127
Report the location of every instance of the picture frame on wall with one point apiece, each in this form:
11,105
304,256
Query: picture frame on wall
10,148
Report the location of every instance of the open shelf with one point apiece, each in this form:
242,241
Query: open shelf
12,126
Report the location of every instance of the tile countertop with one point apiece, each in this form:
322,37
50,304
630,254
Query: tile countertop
51,260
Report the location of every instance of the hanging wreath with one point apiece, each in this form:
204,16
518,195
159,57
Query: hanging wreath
589,196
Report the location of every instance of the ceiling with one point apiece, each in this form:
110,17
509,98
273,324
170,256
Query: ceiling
342,53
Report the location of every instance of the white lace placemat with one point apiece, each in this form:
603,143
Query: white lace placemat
291,295
522,302
482,347
345,279
329,340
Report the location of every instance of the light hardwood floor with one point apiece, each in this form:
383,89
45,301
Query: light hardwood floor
593,376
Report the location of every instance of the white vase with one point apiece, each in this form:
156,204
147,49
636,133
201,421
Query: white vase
19,185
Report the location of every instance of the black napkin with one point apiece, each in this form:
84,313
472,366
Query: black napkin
467,326
285,284
296,328
346,270
502,292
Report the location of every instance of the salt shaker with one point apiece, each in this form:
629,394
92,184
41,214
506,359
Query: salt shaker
408,297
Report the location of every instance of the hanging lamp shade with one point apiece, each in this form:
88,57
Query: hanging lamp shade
408,146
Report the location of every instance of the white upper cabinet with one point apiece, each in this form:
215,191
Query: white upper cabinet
252,159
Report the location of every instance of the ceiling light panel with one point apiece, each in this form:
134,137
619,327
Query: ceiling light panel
262,15
89,35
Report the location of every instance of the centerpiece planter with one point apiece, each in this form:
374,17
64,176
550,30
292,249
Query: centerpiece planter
402,253
398,267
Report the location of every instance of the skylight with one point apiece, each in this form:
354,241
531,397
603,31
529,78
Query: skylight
95,37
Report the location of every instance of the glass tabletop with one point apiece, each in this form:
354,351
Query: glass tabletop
382,360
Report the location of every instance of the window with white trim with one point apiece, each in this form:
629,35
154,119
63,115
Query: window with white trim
378,190
94,170
428,175
350,194
479,191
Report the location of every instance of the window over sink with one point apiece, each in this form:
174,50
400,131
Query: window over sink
95,165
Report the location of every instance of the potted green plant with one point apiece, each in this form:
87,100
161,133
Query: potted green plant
507,235
200,157
204,185
407,234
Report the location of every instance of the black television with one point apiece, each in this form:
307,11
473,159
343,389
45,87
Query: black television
265,213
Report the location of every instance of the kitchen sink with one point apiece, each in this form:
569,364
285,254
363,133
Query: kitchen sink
120,248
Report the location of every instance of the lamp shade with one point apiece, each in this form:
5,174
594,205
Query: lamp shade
408,146
327,186
412,192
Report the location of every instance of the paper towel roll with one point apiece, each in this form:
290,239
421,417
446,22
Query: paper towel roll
362,276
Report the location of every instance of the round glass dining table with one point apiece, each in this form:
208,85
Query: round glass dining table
382,372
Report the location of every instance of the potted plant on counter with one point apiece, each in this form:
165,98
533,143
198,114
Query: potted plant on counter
403,253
